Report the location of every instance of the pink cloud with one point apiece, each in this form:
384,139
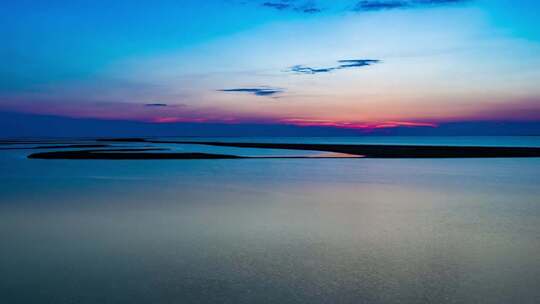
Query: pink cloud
355,125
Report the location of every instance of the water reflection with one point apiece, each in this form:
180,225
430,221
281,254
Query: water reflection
269,231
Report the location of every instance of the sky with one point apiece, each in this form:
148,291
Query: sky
333,63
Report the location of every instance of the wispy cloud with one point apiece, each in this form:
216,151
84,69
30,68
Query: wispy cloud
305,6
260,91
355,124
355,63
440,1
379,5
342,64
156,105
313,6
277,5
302,69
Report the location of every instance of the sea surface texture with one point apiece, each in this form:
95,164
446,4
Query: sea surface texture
308,230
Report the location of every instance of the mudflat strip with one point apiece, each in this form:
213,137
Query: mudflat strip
355,151
126,155
388,151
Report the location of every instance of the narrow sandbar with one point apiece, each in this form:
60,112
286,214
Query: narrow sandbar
388,151
125,155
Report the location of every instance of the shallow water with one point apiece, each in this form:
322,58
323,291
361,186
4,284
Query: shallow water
271,231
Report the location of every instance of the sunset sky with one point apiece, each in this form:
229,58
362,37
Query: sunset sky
353,64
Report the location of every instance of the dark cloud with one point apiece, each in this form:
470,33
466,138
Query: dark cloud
302,69
156,105
308,7
343,64
314,6
277,5
311,10
356,63
439,1
378,5
165,105
261,91
301,6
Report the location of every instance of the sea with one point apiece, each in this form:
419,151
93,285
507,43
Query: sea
299,230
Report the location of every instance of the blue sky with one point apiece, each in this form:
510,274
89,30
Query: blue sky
332,63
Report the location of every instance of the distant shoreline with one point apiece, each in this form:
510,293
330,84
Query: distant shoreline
356,151
125,155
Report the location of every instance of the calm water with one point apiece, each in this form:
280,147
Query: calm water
272,231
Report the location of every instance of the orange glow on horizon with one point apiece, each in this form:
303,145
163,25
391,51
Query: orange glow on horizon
302,122
355,125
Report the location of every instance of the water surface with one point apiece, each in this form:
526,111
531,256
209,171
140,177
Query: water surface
271,231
